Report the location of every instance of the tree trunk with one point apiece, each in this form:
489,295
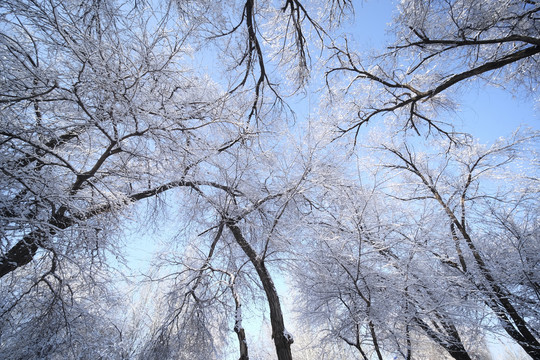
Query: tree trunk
238,327
450,341
282,339
21,254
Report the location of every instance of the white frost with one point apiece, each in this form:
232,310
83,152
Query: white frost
288,336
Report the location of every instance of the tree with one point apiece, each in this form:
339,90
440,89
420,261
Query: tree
265,45
232,238
100,109
440,45
68,313
458,183
385,263
81,136
254,225
366,276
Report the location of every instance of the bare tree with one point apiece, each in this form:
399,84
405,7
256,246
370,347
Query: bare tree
459,183
117,123
102,105
266,44
99,109
440,45
366,277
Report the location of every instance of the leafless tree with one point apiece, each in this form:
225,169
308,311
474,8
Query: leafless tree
440,45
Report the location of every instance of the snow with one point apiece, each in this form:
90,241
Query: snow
288,336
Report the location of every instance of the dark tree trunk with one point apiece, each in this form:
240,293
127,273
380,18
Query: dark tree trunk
282,339
244,355
450,340
21,254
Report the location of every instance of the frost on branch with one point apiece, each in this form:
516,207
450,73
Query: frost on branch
288,336
440,46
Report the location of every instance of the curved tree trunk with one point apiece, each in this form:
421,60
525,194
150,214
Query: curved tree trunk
282,339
